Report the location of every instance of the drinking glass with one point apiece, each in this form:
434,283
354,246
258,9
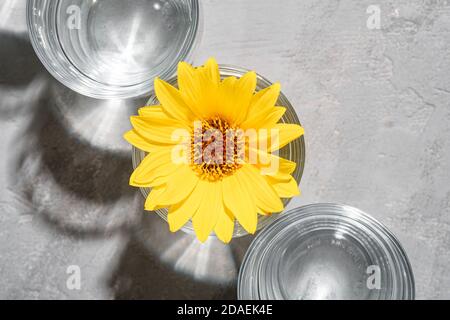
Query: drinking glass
326,251
112,48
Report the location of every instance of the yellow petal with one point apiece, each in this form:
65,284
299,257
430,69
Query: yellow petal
240,202
261,106
265,196
228,99
159,131
151,203
283,167
272,165
190,89
225,225
179,185
199,88
207,213
247,84
284,189
200,93
140,142
180,213
236,97
155,112
284,133
264,213
172,101
154,170
274,116
287,166
210,71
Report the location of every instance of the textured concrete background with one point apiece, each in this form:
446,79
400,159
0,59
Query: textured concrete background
374,103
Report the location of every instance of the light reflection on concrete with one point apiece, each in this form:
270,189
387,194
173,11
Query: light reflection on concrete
100,123
211,262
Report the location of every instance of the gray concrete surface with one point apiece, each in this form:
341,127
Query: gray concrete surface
374,103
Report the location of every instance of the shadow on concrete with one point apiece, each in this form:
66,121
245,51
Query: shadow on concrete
157,264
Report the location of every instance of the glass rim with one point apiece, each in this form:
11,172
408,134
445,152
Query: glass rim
296,150
249,281
77,81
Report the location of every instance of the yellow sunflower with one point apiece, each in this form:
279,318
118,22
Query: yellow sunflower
210,192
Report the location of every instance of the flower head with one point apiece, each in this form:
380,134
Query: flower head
210,147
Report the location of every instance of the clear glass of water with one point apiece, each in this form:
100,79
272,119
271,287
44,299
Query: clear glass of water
112,48
326,251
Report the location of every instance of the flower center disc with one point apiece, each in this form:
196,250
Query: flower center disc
216,149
